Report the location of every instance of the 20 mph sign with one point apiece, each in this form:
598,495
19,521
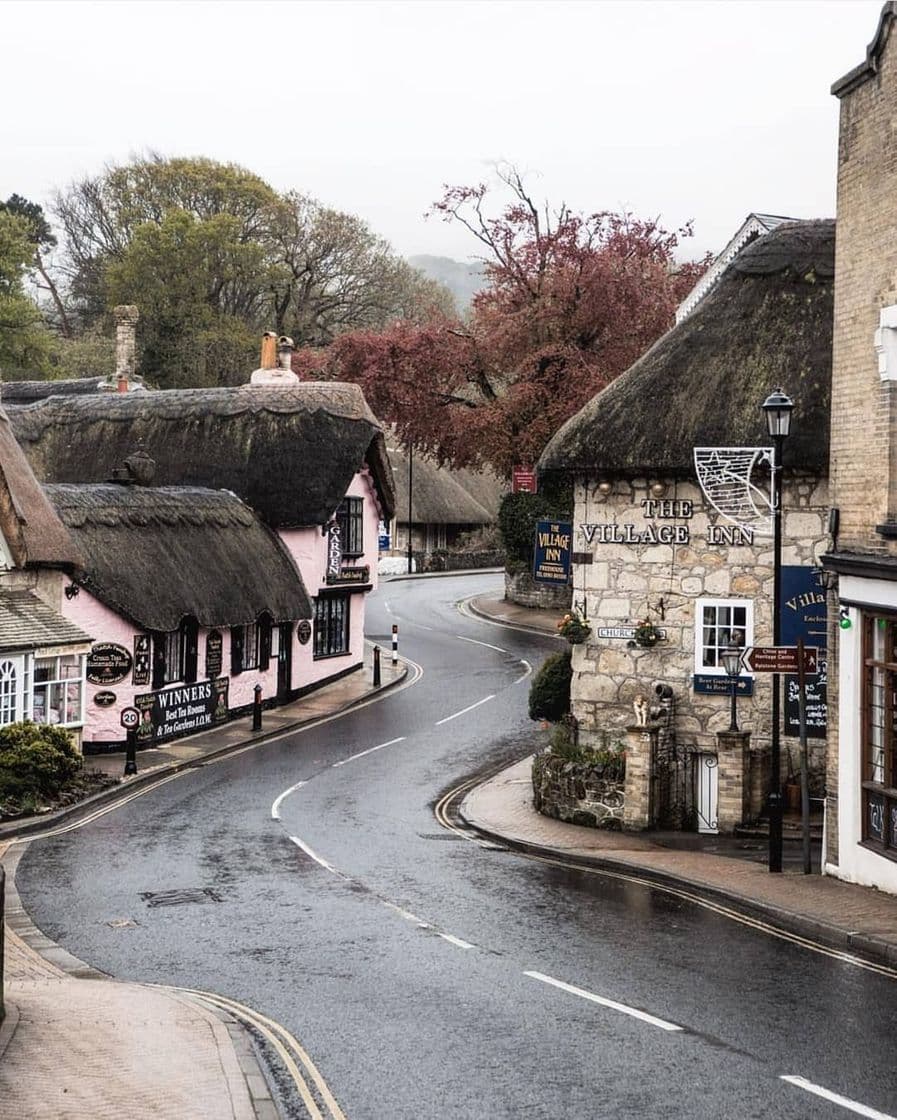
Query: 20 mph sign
780,659
130,718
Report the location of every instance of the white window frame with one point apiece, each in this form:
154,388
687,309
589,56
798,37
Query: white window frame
62,682
718,670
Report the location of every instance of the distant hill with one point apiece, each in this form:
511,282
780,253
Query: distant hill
462,278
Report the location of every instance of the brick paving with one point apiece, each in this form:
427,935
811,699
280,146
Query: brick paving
76,1045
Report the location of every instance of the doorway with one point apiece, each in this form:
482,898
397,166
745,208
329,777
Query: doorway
284,661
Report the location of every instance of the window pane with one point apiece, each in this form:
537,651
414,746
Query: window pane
875,809
69,667
39,703
45,669
73,702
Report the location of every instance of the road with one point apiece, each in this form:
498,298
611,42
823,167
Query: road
422,971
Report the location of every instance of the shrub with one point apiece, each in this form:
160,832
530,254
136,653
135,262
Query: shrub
517,517
549,694
36,760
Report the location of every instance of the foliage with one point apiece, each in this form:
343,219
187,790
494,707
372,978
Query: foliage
36,761
24,340
571,301
575,629
609,758
646,633
517,517
549,694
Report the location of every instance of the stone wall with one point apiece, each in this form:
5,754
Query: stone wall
523,590
576,792
657,558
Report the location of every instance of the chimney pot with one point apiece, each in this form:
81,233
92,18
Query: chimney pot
269,350
126,317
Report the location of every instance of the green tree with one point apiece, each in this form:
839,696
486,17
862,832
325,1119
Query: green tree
43,240
24,339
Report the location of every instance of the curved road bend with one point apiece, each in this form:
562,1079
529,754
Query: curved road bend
432,977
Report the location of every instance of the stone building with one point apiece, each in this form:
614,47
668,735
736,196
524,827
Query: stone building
861,817
650,547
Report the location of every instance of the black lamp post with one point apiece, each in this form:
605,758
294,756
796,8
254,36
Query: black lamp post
730,656
778,408
410,495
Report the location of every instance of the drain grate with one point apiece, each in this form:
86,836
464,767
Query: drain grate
180,897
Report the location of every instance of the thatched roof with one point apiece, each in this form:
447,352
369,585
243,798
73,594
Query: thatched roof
441,496
29,525
158,554
766,324
27,392
290,453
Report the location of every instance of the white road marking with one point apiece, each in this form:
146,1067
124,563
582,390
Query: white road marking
529,669
836,1098
612,1004
473,641
314,855
464,711
406,914
275,808
370,750
455,941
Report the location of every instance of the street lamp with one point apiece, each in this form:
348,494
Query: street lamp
730,656
777,408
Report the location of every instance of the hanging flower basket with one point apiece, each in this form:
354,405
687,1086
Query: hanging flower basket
646,634
575,629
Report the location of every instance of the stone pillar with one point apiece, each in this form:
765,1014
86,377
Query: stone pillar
734,779
125,341
641,746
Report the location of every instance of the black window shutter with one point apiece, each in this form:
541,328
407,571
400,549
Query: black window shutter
236,650
264,640
191,649
158,661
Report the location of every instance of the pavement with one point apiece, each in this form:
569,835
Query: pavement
843,916
79,1045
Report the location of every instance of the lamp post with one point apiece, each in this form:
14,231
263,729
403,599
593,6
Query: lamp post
410,495
730,656
777,408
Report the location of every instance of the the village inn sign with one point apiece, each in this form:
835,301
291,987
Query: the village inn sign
663,510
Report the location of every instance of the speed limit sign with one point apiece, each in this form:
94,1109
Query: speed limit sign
130,718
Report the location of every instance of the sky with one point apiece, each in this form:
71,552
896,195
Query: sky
697,111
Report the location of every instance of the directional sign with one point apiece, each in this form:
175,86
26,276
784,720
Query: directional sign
780,659
130,718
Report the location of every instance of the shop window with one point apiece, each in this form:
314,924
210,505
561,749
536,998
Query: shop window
250,645
349,517
718,622
175,654
58,690
331,625
879,723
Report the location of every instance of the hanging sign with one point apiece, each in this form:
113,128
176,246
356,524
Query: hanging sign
551,552
804,616
213,654
182,709
108,663
141,673
523,480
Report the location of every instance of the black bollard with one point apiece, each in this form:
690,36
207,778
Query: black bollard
376,666
131,752
257,708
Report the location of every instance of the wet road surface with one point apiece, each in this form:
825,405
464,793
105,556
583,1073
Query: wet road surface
429,976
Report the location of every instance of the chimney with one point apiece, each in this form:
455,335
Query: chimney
285,352
125,344
276,369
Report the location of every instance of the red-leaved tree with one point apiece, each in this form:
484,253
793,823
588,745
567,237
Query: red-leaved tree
570,302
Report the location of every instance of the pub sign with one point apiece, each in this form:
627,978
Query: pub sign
552,552
804,616
108,663
181,710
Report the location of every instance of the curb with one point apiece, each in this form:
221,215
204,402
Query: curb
870,948
497,620
12,830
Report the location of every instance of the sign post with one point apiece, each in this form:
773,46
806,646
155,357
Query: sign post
130,720
804,776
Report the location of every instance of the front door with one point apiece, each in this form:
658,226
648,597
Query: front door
284,661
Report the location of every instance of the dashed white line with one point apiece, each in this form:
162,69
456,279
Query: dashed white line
474,642
464,711
836,1098
452,940
275,808
634,1012
314,855
370,750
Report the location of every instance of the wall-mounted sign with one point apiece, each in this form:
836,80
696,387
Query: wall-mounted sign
360,574
664,510
141,674
108,663
181,710
523,480
213,654
383,538
104,699
711,685
334,550
626,633
551,552
303,632
804,615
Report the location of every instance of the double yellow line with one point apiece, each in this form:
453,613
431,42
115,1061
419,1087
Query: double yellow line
307,1079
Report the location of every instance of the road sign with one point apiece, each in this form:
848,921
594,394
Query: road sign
130,718
780,659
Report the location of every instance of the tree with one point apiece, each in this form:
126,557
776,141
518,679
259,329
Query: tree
24,340
42,238
571,301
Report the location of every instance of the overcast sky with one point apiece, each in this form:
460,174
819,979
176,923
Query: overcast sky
701,111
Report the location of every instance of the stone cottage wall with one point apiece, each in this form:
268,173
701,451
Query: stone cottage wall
658,560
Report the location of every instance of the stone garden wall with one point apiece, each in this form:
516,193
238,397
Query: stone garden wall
576,792
650,556
523,590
